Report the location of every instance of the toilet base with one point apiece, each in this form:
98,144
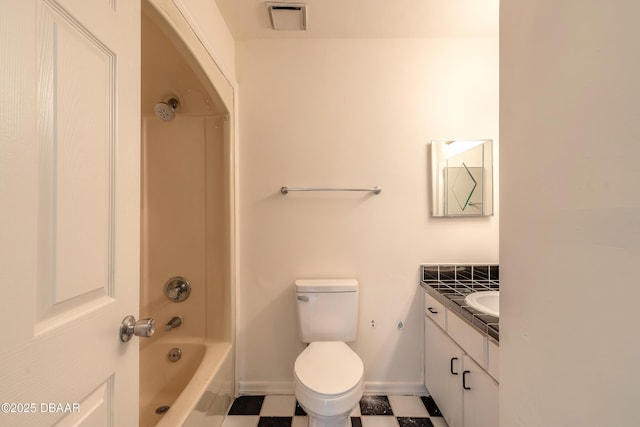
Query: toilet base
324,411
341,420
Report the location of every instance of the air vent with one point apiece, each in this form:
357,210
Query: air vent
288,16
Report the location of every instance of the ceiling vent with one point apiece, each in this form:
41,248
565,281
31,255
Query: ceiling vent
288,16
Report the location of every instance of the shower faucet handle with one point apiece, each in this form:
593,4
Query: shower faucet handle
142,328
175,293
177,289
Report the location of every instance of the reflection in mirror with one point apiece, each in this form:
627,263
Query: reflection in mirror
462,178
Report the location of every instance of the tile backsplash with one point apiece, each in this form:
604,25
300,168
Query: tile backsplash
433,273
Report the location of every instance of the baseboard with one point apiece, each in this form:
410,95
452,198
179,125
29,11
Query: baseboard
257,388
254,388
406,389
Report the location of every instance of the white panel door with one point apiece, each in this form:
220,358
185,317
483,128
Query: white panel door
69,216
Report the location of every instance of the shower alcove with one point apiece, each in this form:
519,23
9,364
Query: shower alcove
186,224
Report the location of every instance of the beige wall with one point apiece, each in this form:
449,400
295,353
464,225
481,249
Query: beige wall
570,212
342,113
206,21
184,223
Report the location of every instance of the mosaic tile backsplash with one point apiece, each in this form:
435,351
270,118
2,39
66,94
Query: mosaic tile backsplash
433,273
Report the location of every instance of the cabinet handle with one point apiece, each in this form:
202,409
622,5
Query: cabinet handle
464,380
432,311
451,365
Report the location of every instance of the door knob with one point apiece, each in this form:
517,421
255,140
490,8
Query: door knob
141,328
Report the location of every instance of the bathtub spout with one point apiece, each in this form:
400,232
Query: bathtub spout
174,323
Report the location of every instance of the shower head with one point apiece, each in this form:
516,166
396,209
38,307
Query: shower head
166,111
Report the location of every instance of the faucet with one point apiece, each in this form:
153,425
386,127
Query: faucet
173,323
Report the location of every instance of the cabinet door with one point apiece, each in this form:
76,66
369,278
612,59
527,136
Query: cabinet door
480,400
443,372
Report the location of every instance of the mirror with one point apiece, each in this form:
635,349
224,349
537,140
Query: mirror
462,178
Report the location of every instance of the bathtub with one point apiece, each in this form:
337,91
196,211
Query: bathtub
198,388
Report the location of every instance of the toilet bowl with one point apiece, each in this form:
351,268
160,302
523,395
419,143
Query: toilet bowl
328,382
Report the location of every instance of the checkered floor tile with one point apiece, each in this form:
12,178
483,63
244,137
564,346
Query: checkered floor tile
373,411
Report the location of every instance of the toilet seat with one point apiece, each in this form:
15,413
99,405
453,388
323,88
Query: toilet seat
329,368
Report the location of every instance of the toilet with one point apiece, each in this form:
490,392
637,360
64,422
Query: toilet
328,375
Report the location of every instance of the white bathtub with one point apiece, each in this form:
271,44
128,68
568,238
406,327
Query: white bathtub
198,388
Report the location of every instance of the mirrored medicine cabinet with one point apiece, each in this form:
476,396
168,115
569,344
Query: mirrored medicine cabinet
462,178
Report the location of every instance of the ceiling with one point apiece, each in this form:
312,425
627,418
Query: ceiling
248,19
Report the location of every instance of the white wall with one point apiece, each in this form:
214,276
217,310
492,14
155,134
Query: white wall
343,113
570,213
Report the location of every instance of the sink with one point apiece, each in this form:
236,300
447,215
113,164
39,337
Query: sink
485,301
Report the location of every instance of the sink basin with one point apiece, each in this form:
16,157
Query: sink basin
485,301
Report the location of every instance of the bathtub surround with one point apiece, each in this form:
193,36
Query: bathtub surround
208,24
186,368
352,113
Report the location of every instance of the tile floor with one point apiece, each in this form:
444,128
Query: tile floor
373,411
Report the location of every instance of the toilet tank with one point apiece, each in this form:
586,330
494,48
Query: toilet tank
327,309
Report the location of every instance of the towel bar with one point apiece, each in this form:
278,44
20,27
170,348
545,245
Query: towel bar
285,190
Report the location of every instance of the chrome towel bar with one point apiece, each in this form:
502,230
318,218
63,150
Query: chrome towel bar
375,190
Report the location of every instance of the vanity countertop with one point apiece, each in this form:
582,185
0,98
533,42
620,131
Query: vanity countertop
452,295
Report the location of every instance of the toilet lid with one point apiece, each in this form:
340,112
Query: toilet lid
329,368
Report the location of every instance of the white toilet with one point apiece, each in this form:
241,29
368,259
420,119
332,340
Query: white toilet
328,374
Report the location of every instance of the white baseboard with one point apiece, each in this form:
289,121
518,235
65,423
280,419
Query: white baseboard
253,388
407,389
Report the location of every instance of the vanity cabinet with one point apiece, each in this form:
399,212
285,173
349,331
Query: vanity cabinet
455,358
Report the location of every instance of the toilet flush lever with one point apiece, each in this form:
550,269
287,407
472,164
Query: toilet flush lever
141,328
303,298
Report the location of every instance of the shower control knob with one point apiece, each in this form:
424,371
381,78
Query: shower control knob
177,289
141,328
